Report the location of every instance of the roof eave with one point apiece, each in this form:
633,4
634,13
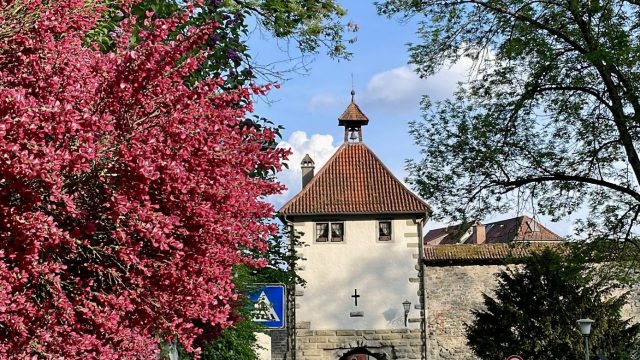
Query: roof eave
416,212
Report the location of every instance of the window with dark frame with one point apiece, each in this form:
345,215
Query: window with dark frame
337,230
384,230
329,232
322,232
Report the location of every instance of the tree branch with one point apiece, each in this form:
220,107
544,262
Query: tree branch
531,21
571,178
586,90
617,106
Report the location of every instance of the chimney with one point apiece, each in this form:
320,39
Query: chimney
480,233
307,166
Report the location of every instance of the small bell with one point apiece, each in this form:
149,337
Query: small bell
353,136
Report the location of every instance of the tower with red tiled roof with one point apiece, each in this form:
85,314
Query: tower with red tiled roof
353,119
362,230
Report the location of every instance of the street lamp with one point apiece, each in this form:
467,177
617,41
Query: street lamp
585,329
407,306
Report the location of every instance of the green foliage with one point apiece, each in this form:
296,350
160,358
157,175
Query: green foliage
548,119
234,343
306,27
282,259
312,25
535,308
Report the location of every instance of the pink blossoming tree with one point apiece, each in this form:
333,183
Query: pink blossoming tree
126,197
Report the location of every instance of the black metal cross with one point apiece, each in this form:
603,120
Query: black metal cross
355,296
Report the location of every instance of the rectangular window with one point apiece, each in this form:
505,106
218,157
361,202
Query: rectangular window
384,230
337,230
330,232
322,232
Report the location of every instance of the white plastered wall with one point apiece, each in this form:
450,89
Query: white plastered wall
384,273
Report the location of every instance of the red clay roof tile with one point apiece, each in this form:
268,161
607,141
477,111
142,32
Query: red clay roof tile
522,228
354,181
353,114
478,253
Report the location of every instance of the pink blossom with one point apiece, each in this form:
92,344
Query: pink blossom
126,197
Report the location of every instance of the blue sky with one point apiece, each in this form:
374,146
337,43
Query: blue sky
387,90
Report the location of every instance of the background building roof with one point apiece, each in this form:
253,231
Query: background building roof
472,254
521,228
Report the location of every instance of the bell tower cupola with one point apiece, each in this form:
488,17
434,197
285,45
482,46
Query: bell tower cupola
353,119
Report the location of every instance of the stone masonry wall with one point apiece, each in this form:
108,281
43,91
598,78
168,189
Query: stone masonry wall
452,292
396,344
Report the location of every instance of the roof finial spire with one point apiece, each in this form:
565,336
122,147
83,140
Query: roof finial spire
353,119
353,92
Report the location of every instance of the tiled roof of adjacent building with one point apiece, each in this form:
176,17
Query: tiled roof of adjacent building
481,254
521,228
354,181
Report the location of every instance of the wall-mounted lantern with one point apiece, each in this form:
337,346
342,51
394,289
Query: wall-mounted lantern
407,306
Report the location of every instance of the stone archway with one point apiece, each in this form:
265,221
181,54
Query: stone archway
374,349
362,353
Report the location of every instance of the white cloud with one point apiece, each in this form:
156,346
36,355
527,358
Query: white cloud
396,86
320,147
323,101
401,89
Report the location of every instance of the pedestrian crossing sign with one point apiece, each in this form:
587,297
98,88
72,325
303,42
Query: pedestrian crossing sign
269,302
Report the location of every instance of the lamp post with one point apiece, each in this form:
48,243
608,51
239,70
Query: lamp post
407,306
585,329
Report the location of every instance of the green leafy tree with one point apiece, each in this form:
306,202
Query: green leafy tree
234,343
534,310
550,113
300,28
